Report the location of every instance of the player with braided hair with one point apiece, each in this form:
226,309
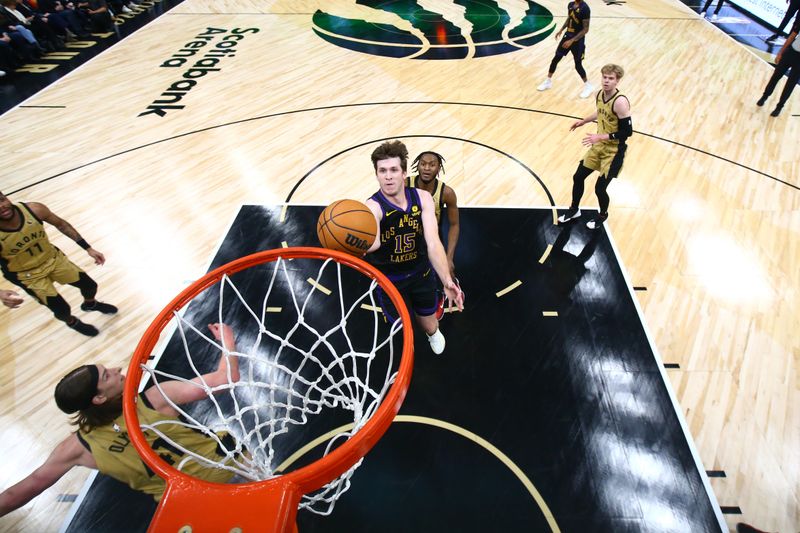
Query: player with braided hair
428,166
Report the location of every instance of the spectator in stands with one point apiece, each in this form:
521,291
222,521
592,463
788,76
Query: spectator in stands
44,36
67,18
22,40
6,56
97,11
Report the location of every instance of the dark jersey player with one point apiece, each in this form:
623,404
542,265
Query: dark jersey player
408,243
575,29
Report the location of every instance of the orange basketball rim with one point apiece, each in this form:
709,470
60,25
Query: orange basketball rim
194,505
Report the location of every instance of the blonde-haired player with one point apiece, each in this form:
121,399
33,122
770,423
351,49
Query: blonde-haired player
607,147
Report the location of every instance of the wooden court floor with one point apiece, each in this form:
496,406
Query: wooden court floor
705,214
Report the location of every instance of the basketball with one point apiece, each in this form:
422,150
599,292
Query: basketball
348,226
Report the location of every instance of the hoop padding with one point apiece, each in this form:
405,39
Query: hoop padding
347,382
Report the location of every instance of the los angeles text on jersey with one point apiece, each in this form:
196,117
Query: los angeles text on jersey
406,221
226,47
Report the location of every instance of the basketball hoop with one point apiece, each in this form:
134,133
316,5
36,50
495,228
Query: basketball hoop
357,377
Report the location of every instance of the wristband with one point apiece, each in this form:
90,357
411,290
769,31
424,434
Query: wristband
83,244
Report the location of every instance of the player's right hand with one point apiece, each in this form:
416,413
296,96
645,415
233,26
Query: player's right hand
454,294
223,332
10,299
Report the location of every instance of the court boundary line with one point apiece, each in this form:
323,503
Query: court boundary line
676,406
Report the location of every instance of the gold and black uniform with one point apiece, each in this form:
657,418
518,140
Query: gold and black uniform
437,194
28,258
607,156
116,456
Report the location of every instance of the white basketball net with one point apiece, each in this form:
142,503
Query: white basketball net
286,378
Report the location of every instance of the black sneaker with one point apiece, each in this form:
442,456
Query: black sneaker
106,309
572,212
597,221
761,101
776,111
83,328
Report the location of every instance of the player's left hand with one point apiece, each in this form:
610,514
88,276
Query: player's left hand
99,259
591,138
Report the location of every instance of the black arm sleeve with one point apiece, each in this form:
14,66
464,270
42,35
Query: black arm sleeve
625,130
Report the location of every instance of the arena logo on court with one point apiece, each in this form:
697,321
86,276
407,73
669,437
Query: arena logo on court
461,29
203,61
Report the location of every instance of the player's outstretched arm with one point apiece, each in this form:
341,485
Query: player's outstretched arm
70,452
180,392
44,213
436,253
581,122
376,210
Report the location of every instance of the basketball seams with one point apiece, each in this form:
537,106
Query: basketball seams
335,227
350,228
335,215
322,227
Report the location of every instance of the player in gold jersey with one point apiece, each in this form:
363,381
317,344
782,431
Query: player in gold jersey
29,260
94,394
428,166
607,147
